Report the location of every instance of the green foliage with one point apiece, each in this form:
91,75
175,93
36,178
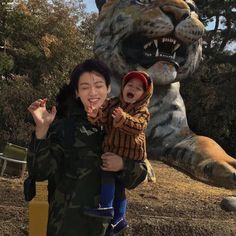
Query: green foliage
220,18
6,63
41,42
46,38
17,93
14,99
212,109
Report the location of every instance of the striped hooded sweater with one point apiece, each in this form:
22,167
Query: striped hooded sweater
125,137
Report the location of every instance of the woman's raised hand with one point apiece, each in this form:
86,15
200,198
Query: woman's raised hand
41,116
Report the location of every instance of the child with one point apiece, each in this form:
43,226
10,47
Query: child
124,118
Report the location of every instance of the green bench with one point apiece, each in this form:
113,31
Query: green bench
13,153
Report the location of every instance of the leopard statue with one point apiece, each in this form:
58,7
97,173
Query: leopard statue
163,38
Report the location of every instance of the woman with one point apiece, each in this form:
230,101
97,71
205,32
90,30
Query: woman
68,151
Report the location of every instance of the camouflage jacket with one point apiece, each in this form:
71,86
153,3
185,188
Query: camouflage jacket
70,155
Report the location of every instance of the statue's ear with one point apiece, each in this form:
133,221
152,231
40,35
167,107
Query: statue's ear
99,4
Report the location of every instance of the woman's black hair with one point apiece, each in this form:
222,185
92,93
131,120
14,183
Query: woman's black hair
89,66
64,99
66,95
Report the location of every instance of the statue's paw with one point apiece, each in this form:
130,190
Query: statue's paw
221,173
151,177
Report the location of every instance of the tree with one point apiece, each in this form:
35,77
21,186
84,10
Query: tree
212,110
219,16
6,61
45,37
45,40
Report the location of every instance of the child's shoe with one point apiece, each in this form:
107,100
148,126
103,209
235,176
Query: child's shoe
118,228
101,212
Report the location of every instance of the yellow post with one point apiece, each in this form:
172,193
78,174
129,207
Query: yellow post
38,211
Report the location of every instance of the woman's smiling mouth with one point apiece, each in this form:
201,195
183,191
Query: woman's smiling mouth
93,100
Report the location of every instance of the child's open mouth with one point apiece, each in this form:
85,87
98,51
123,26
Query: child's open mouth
130,95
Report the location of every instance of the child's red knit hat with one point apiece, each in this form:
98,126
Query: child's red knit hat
141,75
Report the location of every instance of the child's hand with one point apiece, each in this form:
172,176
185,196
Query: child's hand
117,113
92,112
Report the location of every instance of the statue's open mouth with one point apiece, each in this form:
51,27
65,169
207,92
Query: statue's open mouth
146,52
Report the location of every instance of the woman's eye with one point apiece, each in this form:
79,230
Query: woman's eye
84,88
100,85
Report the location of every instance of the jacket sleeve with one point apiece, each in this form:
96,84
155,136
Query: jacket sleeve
133,125
133,174
44,155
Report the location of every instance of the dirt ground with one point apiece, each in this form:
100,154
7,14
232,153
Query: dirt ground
176,205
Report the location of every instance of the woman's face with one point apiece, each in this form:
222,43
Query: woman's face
92,89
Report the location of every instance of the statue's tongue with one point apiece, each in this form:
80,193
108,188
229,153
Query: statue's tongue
163,72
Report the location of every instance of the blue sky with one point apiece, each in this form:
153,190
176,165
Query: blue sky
90,6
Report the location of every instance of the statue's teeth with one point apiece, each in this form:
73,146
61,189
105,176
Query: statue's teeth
157,52
147,45
156,43
174,55
176,46
169,40
148,54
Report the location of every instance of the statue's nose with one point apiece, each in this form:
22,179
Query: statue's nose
177,12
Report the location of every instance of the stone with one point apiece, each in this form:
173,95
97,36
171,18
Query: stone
229,203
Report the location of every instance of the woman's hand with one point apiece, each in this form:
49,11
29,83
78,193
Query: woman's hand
112,162
42,117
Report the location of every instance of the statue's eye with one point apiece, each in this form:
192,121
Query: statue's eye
143,2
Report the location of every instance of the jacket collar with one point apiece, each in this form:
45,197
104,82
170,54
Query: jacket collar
77,109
